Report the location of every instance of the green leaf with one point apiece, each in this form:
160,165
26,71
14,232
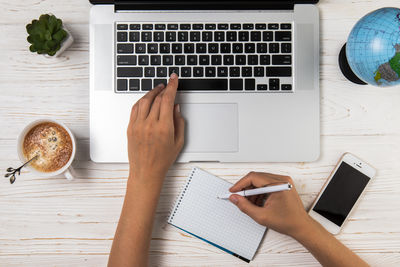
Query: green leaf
44,17
32,48
59,24
52,24
51,53
30,39
47,35
50,45
60,35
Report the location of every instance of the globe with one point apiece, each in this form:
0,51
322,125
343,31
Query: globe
372,52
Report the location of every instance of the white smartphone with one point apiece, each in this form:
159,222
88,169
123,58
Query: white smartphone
341,192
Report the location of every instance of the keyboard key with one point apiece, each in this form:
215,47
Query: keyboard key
185,27
286,26
234,71
281,60
198,26
261,26
237,48
170,36
155,60
286,87
283,36
197,72
158,36
152,48
207,36
274,48
231,36
140,48
192,59
204,60
133,27
222,72
250,48
240,59
255,36
167,60
188,48
179,60
273,84
195,36
228,60
172,26
160,81
216,60
250,84
203,84
273,26
161,72
134,85
129,72
236,84
247,26
258,71
262,87
143,60
147,26
210,71
134,36
201,48
265,59
160,27
211,26
122,36
183,36
146,37
243,36
124,48
186,72
212,48
165,48
176,48
147,84
262,48
268,36
279,71
223,26
236,26
149,72
219,36
225,48
173,70
286,48
247,72
126,60
252,60
122,27
122,85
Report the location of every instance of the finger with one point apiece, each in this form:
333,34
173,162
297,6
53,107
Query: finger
246,206
134,113
167,105
179,124
147,100
155,108
253,178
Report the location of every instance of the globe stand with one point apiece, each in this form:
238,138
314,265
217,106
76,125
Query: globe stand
345,68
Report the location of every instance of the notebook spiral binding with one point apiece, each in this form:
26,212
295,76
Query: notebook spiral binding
180,196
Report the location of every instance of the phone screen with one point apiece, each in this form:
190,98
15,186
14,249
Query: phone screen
341,194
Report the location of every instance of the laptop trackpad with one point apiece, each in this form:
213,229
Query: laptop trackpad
211,127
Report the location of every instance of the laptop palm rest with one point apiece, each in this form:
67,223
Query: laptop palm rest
211,128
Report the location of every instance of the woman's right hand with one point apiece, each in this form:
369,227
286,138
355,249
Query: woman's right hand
282,211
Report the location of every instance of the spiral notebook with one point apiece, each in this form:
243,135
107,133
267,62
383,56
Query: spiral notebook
200,213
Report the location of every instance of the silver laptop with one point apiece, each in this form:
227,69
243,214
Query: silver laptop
249,76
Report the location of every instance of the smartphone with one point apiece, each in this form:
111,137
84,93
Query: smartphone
341,192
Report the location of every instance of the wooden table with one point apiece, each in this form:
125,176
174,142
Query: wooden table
50,221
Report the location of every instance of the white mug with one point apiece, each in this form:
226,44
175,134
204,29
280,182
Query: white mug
67,169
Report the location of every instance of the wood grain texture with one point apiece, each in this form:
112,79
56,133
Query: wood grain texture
53,222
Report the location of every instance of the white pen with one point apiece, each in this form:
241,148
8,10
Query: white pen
259,191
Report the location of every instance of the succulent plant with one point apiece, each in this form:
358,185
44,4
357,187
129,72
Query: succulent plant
46,35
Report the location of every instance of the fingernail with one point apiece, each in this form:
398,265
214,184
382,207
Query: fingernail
234,199
173,76
160,85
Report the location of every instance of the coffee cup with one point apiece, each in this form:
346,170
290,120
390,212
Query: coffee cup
62,133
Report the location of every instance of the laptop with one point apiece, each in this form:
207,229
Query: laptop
249,76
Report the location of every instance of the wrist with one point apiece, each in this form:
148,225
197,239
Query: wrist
305,229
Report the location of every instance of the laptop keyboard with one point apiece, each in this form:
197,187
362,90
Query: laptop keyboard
212,57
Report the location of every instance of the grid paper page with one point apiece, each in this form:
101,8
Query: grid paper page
199,211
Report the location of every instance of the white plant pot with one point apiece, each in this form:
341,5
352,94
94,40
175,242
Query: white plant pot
64,44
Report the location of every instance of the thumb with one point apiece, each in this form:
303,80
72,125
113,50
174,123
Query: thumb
179,124
246,206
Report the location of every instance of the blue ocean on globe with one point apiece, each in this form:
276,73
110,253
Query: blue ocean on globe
373,47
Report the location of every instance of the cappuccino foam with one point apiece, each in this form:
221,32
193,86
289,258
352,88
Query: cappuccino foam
53,145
